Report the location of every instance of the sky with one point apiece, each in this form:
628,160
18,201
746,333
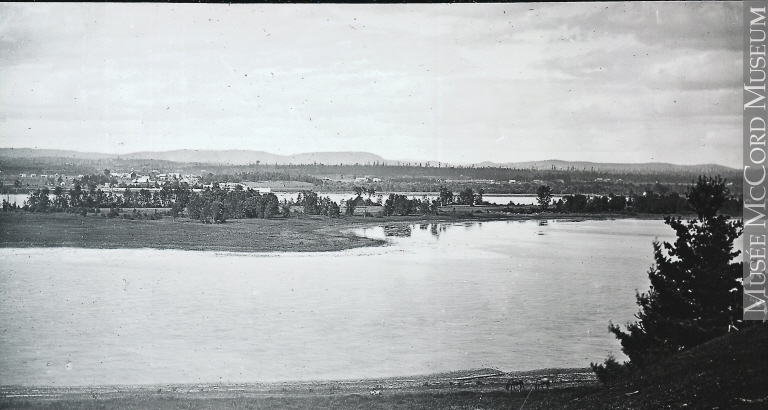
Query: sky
458,83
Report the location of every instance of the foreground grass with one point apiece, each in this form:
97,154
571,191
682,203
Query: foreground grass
458,400
443,391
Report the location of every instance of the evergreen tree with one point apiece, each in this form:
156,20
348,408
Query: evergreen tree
544,196
695,292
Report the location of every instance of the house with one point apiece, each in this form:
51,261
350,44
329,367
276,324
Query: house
230,186
256,186
368,210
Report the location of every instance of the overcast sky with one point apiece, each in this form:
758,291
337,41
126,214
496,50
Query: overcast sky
455,83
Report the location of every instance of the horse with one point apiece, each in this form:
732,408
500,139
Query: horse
541,383
512,383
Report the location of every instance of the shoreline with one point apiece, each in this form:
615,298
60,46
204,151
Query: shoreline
302,234
477,380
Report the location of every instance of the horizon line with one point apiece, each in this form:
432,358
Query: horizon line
447,163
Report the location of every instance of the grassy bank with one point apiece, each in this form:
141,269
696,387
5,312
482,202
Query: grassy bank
26,230
439,391
725,373
302,234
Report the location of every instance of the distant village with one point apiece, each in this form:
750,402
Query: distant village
117,179
156,179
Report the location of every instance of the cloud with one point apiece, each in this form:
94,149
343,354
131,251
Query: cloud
699,25
470,82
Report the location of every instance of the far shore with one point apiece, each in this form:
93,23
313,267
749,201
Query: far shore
304,233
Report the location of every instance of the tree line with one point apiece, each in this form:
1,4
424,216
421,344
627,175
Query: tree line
218,205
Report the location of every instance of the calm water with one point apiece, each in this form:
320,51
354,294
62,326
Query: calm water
511,295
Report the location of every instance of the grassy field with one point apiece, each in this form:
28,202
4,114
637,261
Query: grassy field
302,234
248,235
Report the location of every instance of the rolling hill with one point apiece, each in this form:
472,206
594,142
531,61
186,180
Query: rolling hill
602,166
223,157
246,157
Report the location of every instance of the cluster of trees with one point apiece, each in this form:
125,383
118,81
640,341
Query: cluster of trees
695,292
316,205
466,196
261,175
217,205
583,203
402,205
208,206
75,198
665,202
7,206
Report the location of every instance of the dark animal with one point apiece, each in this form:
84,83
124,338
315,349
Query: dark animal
518,384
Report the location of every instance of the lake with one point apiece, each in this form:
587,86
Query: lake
511,295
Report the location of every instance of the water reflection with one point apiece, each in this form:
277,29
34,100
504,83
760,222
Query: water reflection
497,297
407,231
403,231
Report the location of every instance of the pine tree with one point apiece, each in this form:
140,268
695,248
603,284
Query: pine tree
695,292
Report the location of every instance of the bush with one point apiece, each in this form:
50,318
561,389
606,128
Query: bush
610,371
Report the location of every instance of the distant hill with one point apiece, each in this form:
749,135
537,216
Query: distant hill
245,157
40,153
224,157
601,166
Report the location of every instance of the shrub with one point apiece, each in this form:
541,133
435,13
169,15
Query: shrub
610,371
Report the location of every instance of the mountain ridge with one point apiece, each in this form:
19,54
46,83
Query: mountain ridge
598,166
247,157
